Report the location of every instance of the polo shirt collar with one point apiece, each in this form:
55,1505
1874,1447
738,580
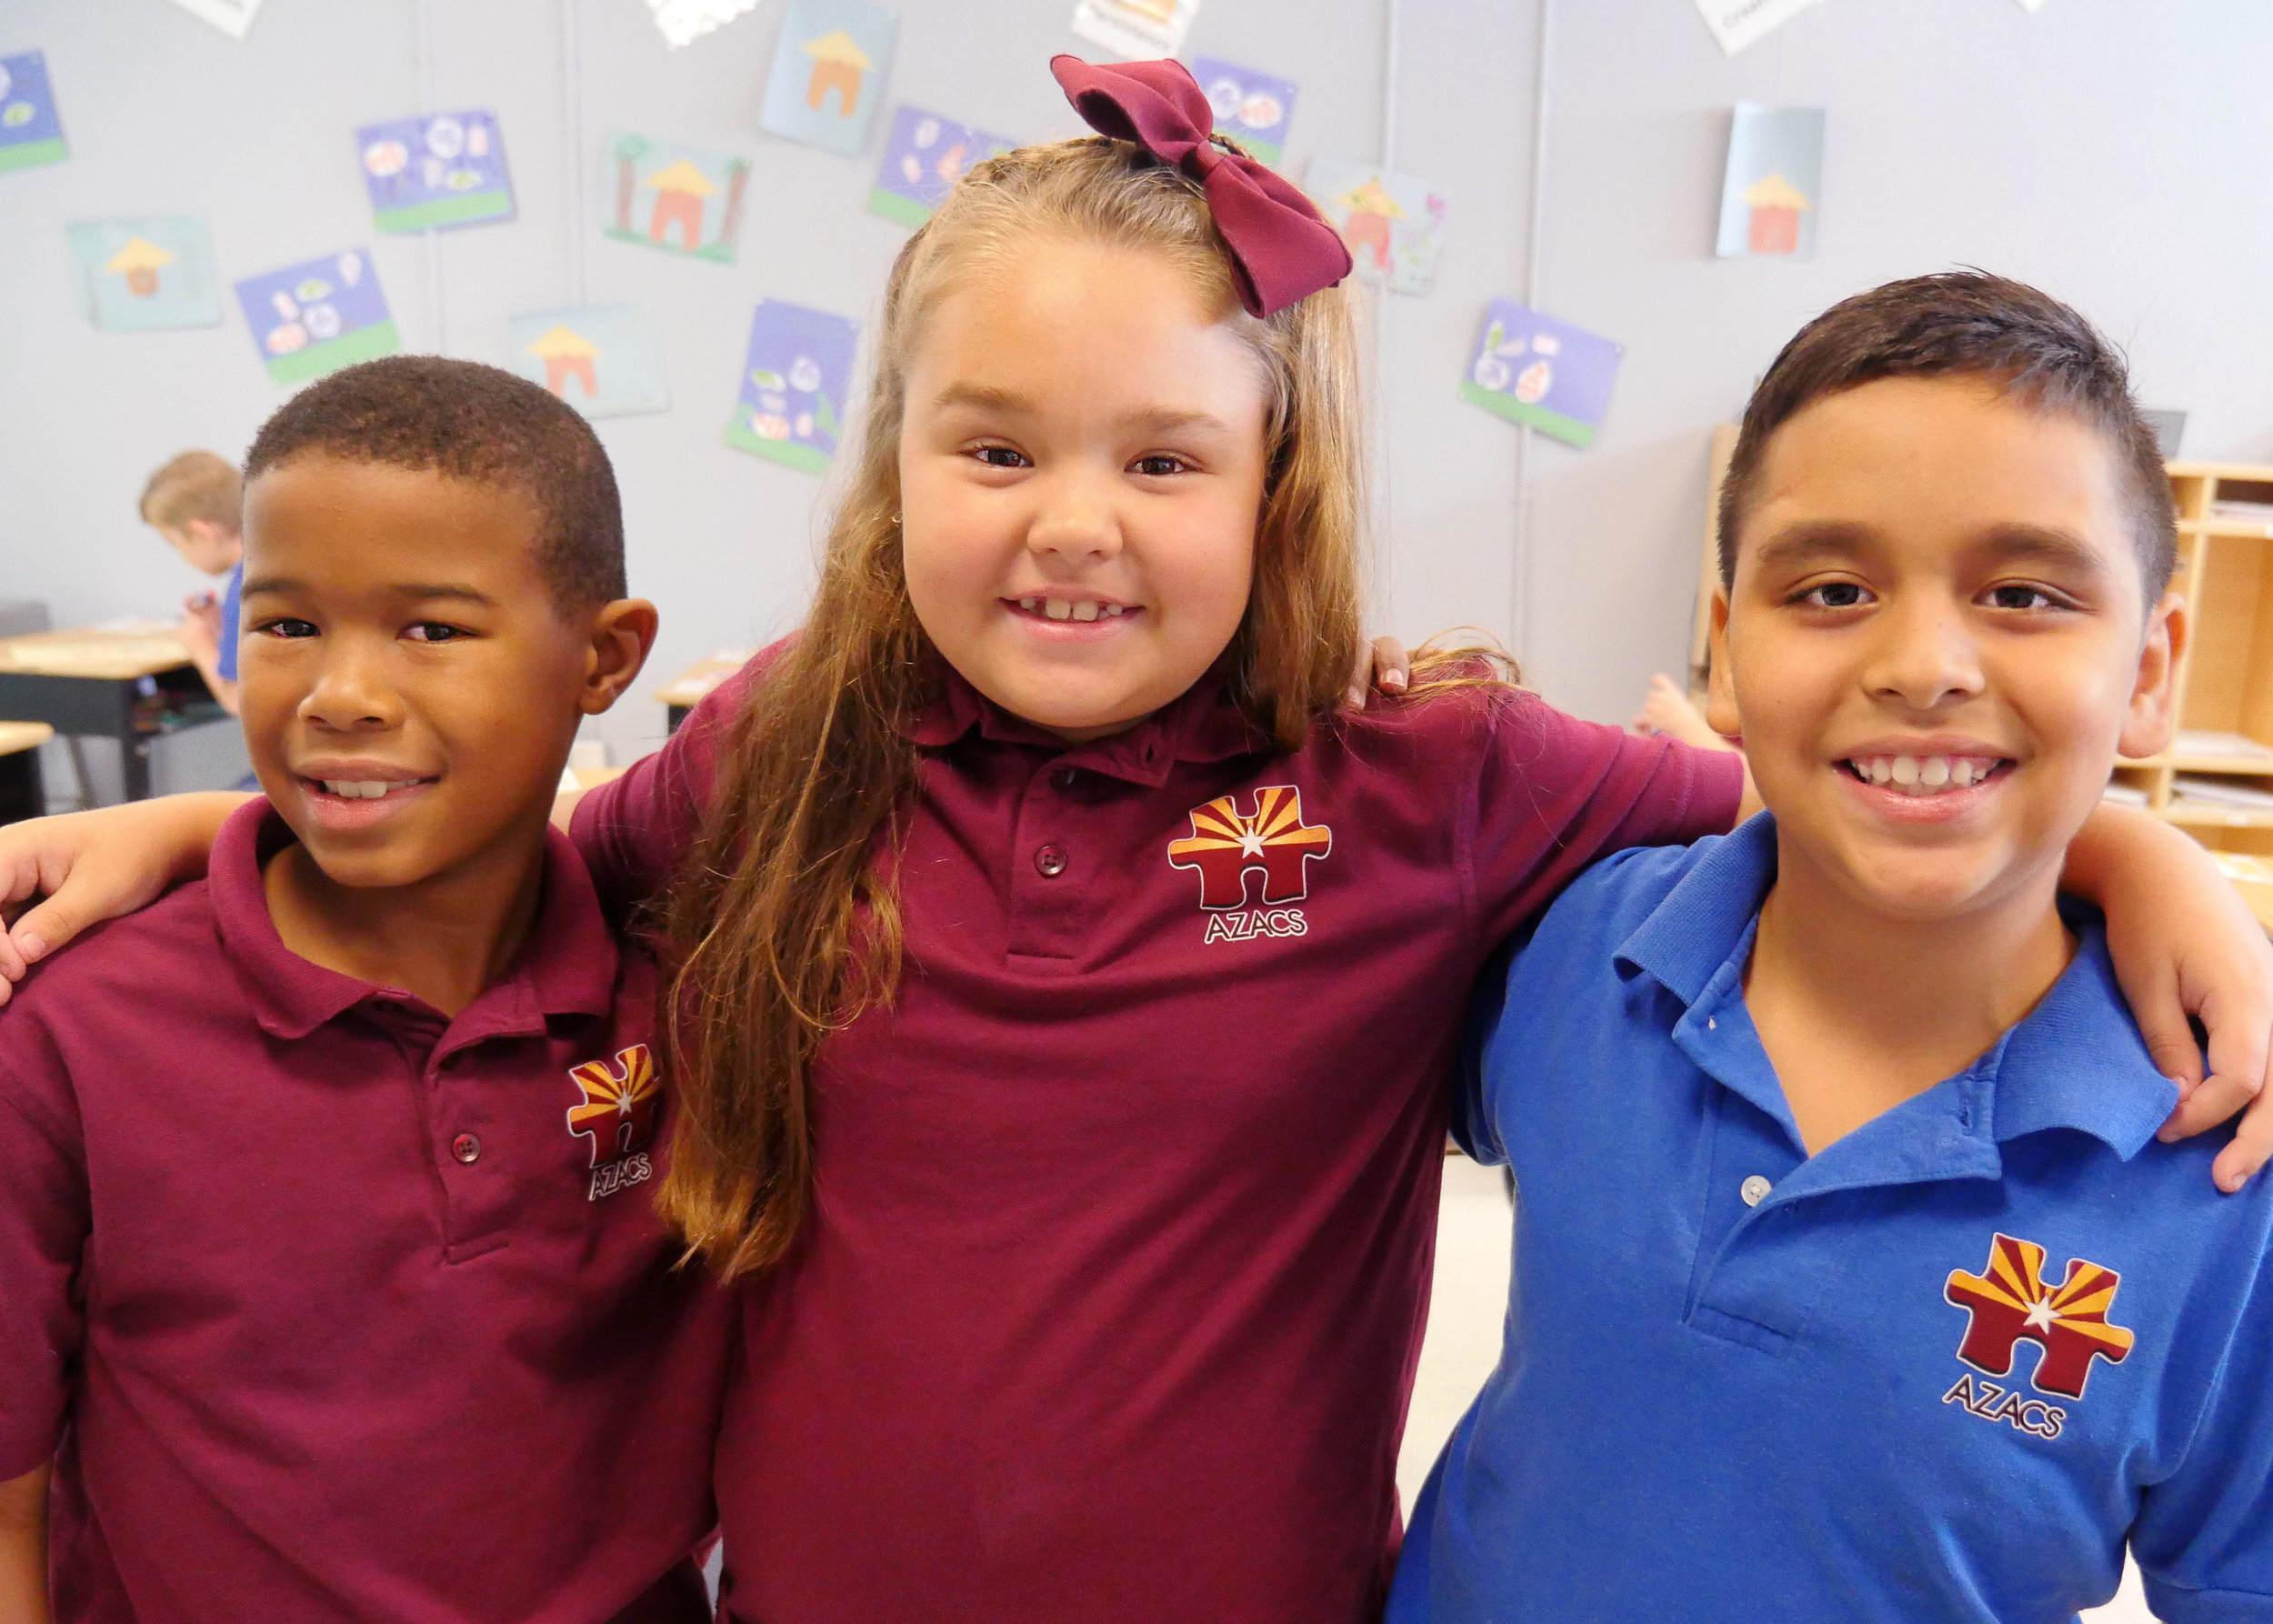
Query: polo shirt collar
2077,1060
1202,724
567,967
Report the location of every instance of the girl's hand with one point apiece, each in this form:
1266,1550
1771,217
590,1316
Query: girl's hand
1666,709
2184,944
95,866
1382,664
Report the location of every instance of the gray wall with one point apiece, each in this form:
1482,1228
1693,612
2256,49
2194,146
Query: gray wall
2115,153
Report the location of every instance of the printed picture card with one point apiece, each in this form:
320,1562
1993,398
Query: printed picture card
318,317
794,382
1136,30
145,275
685,21
828,72
681,199
1737,23
923,160
1393,224
1252,108
605,360
447,169
233,18
1768,191
1532,369
31,132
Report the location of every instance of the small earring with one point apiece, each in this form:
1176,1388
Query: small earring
896,521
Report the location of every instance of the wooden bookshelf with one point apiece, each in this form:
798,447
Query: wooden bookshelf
2224,678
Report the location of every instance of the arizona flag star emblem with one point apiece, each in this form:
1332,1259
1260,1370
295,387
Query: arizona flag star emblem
2012,1304
1226,843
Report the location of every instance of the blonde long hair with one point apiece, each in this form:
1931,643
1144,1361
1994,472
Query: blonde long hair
786,925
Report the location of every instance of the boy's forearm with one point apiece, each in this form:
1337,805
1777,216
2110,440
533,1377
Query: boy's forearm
24,1550
2111,843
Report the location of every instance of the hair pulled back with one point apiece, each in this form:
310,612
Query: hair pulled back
785,925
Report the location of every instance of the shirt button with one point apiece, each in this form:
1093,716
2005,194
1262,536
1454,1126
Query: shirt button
1755,1190
1051,861
468,1149
1065,777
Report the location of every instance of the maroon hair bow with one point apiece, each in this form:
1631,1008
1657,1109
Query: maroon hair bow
1282,249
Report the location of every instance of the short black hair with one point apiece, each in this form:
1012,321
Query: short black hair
1964,323
477,423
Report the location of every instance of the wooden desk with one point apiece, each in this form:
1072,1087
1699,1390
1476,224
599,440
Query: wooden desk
692,685
127,686
21,792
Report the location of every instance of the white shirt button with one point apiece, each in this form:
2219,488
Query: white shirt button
1755,1190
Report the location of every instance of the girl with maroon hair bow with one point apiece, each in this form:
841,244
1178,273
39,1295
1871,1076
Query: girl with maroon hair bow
1066,985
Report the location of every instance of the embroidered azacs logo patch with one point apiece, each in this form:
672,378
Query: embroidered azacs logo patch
618,1114
2012,1304
1227,845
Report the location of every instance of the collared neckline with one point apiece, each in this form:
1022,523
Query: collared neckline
1201,725
2077,1060
567,967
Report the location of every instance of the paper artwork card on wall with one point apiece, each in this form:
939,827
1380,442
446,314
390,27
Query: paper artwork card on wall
794,381
1252,109
143,274
233,18
1768,192
447,169
1136,30
605,360
828,72
318,317
1393,224
681,199
685,21
923,160
1532,369
31,132
1737,23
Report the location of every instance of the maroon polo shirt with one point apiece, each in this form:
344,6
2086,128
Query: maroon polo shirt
339,1309
1110,1300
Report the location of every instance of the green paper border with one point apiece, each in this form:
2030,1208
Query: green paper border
717,253
1570,429
788,453
892,207
365,344
446,211
33,154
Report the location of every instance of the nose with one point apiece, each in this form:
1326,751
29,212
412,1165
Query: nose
1924,655
1076,524
351,693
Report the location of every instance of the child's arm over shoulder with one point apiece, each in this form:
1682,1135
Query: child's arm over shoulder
24,1549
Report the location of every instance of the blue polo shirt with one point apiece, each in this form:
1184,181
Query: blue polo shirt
232,600
1942,1371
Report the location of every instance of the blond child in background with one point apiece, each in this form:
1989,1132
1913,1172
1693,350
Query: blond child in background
195,501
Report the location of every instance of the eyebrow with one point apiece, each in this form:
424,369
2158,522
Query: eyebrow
1803,543
417,591
1159,418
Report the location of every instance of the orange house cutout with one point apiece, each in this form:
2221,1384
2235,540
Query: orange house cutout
839,63
566,355
1777,205
140,261
1367,227
680,193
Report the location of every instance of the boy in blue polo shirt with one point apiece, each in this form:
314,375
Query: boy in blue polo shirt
1851,1279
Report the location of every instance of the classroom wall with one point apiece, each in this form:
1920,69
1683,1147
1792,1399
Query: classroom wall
2112,152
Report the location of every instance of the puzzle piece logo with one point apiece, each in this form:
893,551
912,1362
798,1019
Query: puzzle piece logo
1223,844
620,1104
2013,1304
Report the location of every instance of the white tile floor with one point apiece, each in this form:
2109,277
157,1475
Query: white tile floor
1463,1321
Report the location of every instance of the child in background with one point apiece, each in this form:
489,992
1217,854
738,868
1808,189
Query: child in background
1850,1281
194,501
327,1266
1070,990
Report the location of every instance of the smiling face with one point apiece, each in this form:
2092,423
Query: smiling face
410,688
1081,470
1935,645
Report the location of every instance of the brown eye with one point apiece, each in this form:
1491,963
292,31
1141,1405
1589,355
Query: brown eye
1000,456
1834,594
2020,597
1160,467
286,626
434,631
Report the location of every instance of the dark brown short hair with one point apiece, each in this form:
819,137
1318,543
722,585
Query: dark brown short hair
475,423
1964,323
195,485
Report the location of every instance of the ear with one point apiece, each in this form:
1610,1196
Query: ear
2152,715
1720,698
622,634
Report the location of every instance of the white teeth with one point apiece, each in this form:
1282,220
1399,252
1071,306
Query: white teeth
1906,770
1881,769
1059,609
1961,771
1028,603
1112,611
1934,771
358,790
1924,774
1085,610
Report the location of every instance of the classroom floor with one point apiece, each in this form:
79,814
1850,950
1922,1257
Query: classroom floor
1463,1345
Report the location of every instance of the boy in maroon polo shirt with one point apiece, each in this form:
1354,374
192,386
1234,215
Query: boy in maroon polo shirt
331,1290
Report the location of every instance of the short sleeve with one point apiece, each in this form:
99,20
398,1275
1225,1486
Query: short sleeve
2204,1537
225,661
1556,793
635,831
43,1226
